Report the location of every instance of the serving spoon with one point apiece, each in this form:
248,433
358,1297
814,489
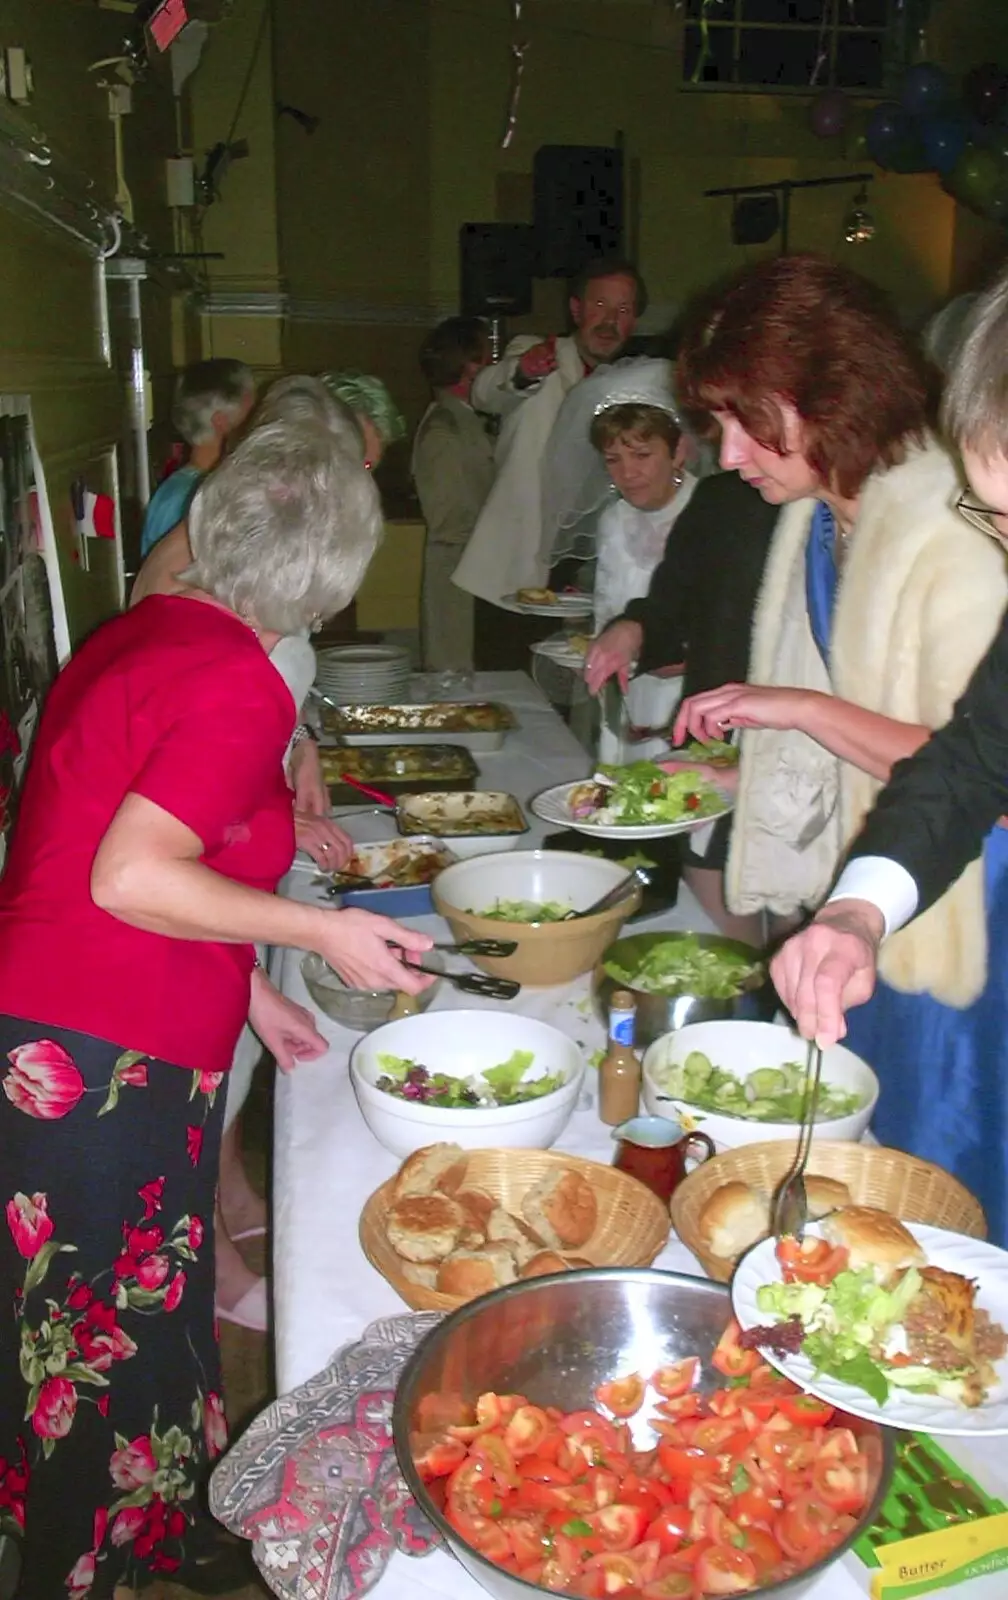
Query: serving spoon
613,896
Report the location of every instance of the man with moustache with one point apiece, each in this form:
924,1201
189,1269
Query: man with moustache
526,390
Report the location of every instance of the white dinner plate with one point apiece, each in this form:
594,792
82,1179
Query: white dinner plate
565,605
560,652
926,1413
553,805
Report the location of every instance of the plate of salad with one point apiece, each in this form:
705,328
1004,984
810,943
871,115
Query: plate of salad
508,1084
637,801
920,1347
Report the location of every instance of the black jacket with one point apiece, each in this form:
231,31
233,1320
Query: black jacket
700,605
940,804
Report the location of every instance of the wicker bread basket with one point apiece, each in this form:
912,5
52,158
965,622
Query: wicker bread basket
914,1190
633,1225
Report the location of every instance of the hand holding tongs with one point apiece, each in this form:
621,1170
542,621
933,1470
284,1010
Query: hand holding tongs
789,1209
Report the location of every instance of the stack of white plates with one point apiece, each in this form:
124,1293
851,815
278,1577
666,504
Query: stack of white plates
355,674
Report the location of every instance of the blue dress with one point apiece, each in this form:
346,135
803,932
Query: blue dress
943,1072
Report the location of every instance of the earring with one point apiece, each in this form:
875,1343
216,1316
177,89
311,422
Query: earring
315,625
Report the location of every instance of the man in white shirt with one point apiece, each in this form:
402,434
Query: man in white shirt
526,389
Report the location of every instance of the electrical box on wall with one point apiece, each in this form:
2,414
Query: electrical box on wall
180,181
15,75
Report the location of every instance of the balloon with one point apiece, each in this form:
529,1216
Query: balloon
828,113
996,209
976,177
944,139
893,139
925,89
985,91
997,142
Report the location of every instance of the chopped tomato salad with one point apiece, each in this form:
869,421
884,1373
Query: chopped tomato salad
744,1486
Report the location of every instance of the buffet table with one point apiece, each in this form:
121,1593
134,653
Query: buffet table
327,1163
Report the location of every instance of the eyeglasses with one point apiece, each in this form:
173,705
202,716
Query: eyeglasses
982,517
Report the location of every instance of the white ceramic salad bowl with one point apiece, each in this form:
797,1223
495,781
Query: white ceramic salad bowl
462,1044
742,1048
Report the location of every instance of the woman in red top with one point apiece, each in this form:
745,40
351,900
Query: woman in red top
155,824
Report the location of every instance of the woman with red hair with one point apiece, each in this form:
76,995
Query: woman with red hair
878,601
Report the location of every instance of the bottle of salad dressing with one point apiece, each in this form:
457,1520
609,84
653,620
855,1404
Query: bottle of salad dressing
620,1072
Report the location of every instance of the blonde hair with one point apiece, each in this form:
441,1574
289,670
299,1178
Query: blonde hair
283,531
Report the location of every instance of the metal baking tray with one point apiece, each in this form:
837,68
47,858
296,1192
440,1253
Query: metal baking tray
396,897
397,768
479,725
480,812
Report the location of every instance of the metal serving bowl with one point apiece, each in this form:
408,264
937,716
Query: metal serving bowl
656,1014
555,1340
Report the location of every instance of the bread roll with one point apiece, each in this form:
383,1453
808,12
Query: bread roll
733,1218
562,1209
825,1195
873,1237
542,1264
424,1227
436,1166
503,1228
423,1273
467,1273
477,1204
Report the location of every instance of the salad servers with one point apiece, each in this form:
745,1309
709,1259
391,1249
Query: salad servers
790,1203
612,896
476,983
495,948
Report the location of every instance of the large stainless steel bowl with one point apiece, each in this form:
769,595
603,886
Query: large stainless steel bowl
554,1340
658,1014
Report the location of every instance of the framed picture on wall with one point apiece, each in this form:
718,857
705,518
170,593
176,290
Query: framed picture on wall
33,631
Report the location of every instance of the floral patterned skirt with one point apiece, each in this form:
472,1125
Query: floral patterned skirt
110,1406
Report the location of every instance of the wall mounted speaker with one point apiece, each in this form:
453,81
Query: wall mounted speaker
495,268
578,206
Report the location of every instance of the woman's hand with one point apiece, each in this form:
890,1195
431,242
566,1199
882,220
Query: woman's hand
829,967
612,654
328,845
286,1029
356,944
740,705
310,793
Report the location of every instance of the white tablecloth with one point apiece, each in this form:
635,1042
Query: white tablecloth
326,1161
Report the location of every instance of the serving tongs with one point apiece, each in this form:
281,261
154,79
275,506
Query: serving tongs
480,983
613,896
789,1208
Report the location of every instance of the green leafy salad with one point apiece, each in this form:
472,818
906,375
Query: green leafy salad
642,794
685,966
719,751
504,1085
854,1331
770,1094
635,858
524,911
